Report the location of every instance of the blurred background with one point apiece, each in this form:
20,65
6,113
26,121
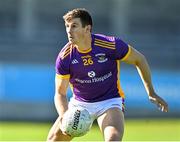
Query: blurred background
32,33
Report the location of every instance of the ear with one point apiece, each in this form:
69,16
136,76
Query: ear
88,28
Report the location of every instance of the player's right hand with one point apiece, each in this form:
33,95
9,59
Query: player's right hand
63,132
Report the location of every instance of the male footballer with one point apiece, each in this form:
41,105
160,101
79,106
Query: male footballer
90,64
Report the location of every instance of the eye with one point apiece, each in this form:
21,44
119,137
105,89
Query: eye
74,25
66,25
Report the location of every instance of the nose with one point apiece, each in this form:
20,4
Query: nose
69,30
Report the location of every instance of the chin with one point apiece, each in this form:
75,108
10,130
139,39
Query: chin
72,41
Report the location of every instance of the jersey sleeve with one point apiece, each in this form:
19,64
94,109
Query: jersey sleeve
62,67
122,49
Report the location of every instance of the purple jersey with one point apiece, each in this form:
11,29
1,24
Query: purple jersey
94,74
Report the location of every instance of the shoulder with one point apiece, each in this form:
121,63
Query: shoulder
104,41
63,59
65,51
104,38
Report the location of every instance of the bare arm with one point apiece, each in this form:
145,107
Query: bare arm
138,60
60,99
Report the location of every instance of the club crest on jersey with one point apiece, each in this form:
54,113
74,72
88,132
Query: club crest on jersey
91,74
101,57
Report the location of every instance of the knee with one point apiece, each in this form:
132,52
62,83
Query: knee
113,136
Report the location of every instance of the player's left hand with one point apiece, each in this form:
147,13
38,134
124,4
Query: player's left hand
161,104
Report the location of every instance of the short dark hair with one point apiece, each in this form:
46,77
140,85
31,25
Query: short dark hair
81,13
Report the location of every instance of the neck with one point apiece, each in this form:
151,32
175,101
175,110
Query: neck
85,44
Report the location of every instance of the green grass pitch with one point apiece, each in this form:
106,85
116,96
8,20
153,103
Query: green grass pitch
135,130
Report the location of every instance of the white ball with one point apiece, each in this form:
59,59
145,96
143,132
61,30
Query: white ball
76,122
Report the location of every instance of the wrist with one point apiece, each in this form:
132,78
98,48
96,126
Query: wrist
151,92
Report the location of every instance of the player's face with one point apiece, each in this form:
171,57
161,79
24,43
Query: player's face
75,31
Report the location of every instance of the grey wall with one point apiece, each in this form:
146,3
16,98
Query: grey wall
32,33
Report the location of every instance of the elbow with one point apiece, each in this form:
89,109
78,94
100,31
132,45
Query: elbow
56,97
141,59
59,95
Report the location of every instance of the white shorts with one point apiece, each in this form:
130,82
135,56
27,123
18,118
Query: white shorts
97,108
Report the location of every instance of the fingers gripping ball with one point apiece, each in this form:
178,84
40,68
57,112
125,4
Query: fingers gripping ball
76,122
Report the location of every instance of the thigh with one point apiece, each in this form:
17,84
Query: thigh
55,133
111,123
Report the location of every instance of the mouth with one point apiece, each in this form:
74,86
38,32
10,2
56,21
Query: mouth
71,39
70,36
